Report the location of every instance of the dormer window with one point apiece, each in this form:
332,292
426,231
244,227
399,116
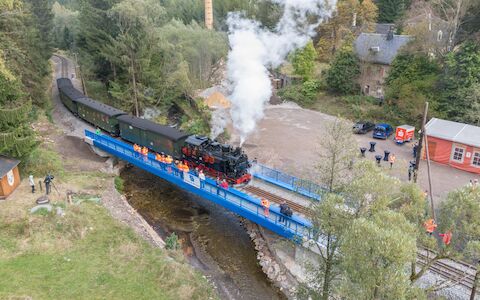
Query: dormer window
439,35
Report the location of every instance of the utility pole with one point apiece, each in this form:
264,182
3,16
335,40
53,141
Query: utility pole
424,138
420,144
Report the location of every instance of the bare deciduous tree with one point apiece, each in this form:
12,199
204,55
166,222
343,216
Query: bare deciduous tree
337,152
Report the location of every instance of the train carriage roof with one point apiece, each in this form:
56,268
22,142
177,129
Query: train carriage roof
72,93
64,82
168,132
101,107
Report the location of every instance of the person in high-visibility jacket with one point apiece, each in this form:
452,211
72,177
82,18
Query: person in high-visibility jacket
136,148
266,207
168,159
446,237
430,226
186,168
145,151
391,159
158,157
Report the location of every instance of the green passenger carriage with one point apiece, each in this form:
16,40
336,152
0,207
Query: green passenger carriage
157,137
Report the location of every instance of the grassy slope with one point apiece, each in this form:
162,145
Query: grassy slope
85,255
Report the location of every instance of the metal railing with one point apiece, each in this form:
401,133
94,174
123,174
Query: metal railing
295,184
294,227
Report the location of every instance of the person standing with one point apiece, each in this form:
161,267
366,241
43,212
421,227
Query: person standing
202,179
31,182
415,149
266,207
283,212
224,186
391,160
48,181
410,171
218,182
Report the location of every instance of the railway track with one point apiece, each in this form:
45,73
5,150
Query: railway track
64,64
276,199
449,272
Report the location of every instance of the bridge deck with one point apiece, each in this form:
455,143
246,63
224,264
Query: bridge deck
247,206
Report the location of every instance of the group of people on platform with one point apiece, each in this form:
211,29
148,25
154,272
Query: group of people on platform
285,210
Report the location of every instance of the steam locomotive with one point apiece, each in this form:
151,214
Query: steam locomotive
218,160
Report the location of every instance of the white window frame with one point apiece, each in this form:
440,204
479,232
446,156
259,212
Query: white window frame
475,151
453,153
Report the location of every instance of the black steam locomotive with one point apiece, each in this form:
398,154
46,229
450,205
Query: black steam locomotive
219,160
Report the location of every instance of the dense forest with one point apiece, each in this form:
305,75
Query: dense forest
25,48
149,53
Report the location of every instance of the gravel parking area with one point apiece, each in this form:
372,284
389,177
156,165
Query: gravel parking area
288,138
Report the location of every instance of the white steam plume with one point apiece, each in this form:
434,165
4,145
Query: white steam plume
255,49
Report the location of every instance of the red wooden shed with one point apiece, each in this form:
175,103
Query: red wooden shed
454,144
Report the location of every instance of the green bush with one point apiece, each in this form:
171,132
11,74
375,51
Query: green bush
43,161
342,75
171,242
119,184
304,94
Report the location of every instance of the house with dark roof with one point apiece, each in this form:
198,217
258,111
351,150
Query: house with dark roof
376,52
434,32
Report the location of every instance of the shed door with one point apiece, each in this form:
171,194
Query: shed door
432,147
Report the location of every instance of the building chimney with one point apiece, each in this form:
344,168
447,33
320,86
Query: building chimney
208,14
390,34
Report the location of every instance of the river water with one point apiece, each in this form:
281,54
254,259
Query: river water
213,239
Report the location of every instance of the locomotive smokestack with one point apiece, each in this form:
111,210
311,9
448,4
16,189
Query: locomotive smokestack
209,14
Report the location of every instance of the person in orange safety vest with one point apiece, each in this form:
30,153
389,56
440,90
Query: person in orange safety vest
391,160
266,207
446,237
136,148
430,226
145,151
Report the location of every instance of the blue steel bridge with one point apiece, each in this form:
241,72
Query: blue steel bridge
297,227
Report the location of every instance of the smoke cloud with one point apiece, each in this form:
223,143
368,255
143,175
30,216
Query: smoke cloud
254,50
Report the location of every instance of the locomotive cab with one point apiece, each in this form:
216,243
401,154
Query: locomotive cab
217,159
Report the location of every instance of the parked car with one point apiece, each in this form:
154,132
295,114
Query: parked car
382,131
363,127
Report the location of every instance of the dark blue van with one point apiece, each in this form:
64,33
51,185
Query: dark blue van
382,131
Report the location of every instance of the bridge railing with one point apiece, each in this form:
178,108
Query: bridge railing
292,183
232,199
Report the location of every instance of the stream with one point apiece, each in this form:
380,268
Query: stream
212,238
